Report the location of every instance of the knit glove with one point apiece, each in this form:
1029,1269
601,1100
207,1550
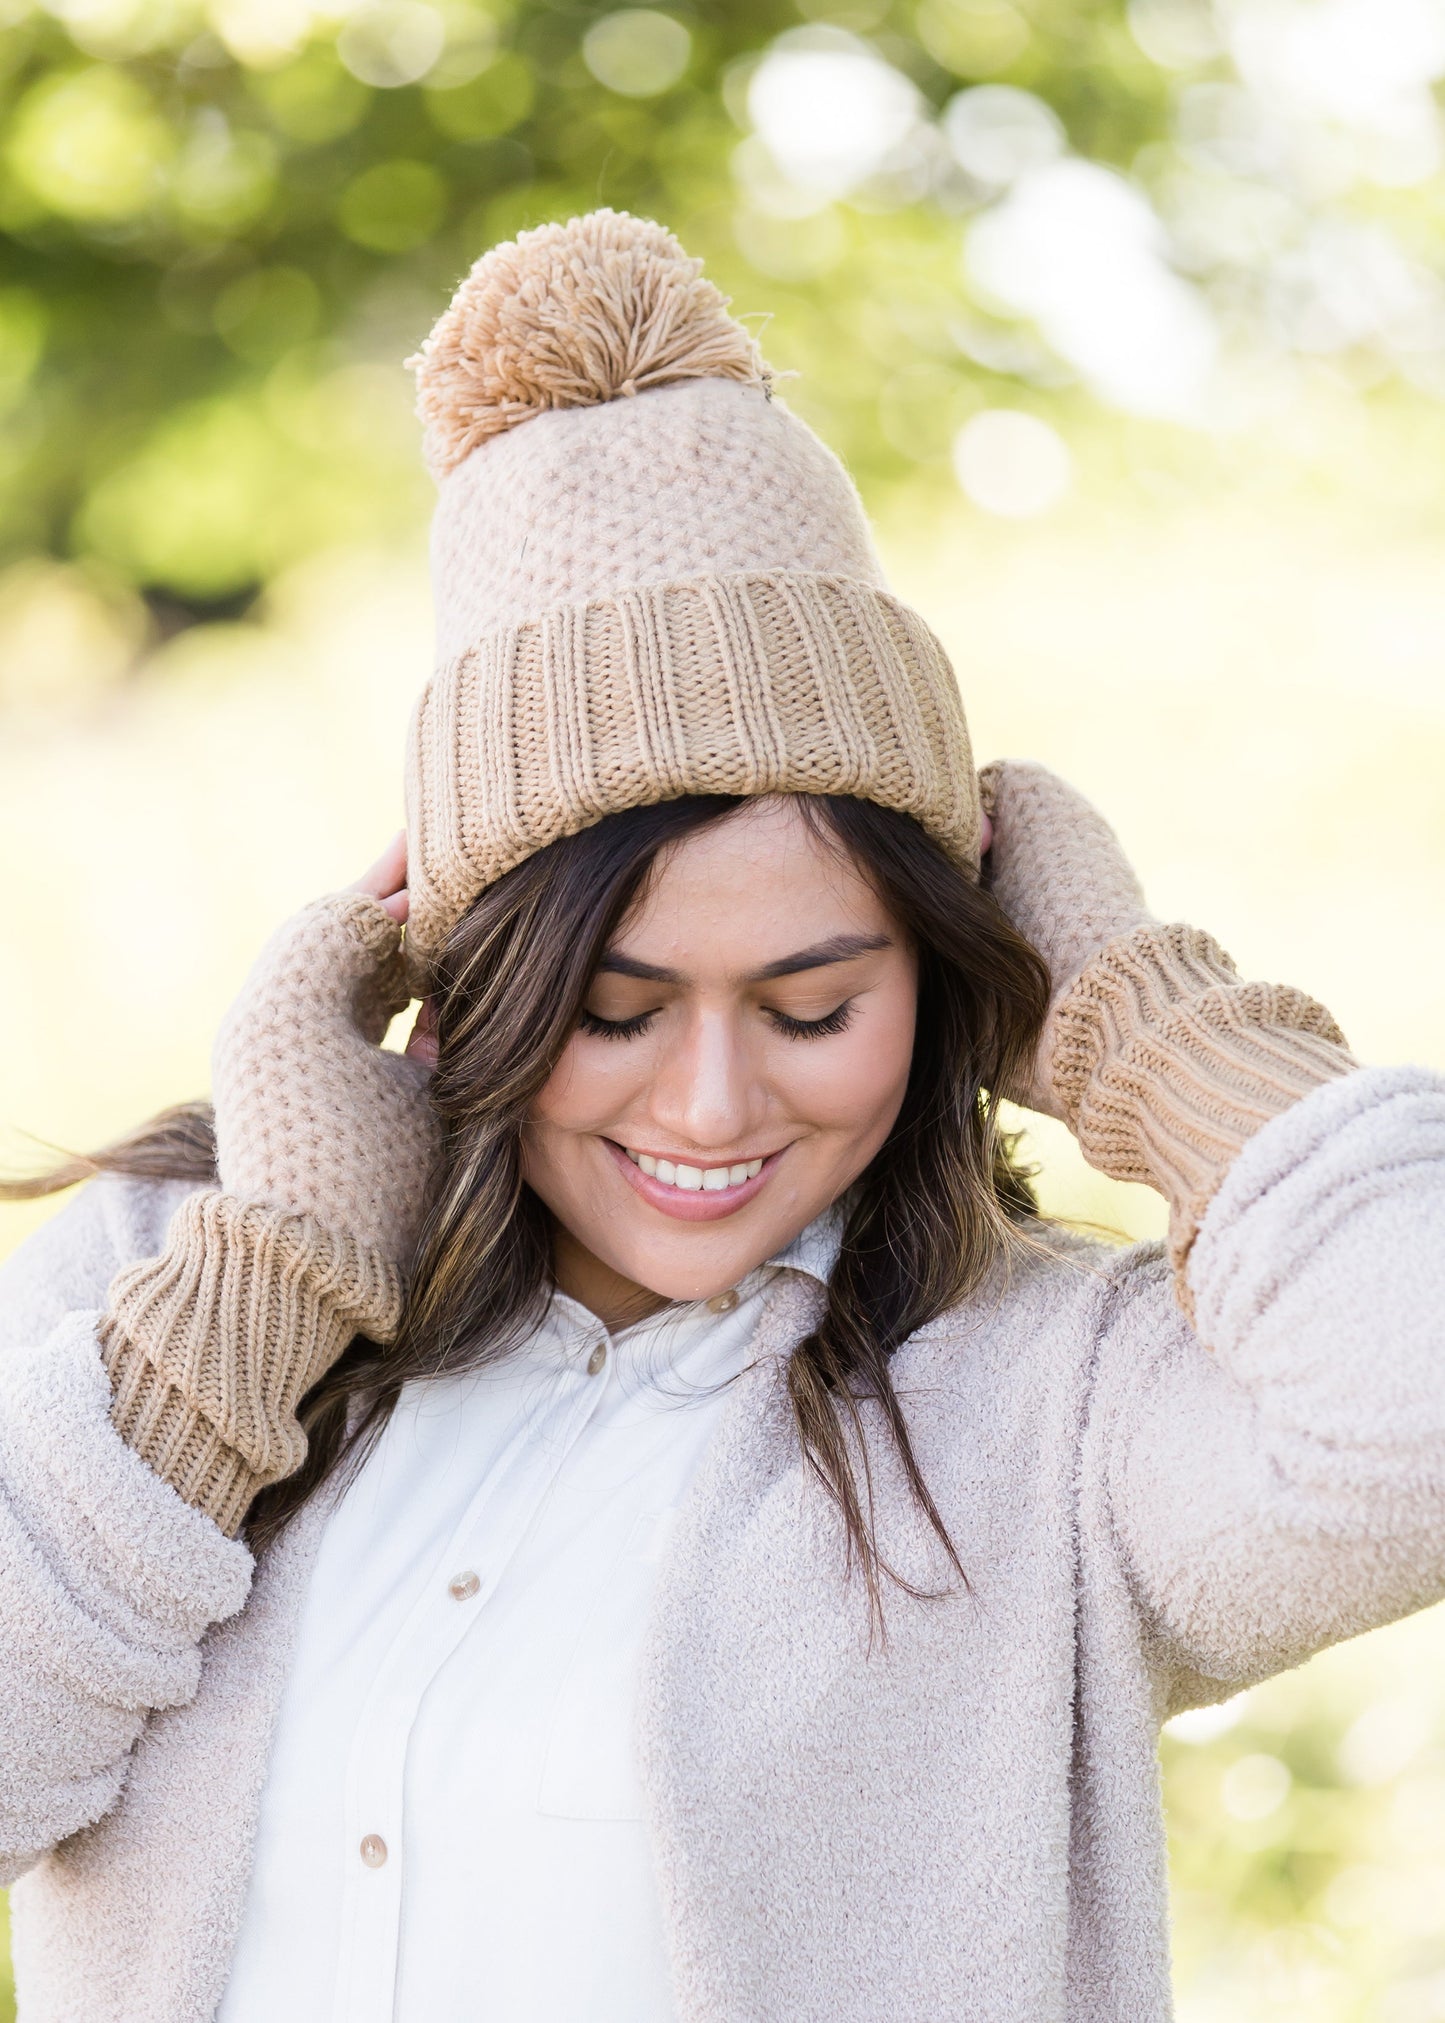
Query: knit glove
1154,1053
325,1146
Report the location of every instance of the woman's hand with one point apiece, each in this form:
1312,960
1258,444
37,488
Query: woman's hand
1060,874
1159,1059
386,880
325,1149
312,1115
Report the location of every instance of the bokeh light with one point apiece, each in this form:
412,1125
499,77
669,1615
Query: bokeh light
637,51
1011,464
830,110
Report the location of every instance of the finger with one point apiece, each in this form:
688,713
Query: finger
387,876
422,1045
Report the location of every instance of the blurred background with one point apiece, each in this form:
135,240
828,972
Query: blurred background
1130,320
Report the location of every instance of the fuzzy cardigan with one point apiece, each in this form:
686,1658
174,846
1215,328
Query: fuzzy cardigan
959,1820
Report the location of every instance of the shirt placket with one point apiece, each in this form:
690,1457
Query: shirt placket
462,1579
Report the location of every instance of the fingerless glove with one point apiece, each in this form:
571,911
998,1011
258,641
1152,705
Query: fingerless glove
1155,1053
325,1145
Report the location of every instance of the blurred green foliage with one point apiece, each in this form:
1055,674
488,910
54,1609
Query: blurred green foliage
226,222
224,226
1307,1842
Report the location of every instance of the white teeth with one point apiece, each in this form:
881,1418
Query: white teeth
711,1179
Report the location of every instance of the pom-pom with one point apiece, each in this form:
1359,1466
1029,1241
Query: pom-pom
570,316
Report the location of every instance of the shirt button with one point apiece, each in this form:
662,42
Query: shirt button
723,1302
462,1586
373,1850
597,1358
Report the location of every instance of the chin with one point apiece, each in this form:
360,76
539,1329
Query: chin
674,1276
679,1283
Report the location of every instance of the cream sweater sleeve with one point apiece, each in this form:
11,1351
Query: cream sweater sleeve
1271,1459
1283,1487
108,1579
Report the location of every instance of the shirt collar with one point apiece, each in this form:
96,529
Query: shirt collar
814,1251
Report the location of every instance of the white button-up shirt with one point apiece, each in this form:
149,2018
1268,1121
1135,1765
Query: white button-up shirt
452,1826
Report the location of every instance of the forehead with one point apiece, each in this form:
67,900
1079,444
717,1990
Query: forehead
762,881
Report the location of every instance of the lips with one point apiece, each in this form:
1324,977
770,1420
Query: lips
691,1201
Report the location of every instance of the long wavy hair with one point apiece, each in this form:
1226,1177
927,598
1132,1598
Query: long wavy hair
928,1218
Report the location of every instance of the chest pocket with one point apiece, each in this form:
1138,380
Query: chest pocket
589,1768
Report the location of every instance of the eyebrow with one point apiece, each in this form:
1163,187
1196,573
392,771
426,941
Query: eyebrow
822,955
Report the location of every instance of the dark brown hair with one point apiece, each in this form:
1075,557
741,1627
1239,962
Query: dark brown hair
925,1222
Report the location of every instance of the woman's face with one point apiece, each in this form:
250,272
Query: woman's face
743,1054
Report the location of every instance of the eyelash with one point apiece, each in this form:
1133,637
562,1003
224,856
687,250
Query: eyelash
815,1029
794,1029
614,1029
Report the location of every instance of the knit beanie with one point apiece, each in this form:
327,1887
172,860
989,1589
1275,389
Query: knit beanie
650,578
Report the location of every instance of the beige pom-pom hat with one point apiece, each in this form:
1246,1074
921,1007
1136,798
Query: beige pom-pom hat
650,578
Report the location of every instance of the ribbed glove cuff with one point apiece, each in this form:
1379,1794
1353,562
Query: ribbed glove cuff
1165,1064
211,1346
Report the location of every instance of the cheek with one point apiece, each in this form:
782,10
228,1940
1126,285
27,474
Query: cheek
593,1079
853,1081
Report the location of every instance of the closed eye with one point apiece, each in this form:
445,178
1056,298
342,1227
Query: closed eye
814,1029
615,1029
836,1021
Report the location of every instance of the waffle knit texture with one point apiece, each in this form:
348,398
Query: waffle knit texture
325,1145
650,578
313,1117
1151,1517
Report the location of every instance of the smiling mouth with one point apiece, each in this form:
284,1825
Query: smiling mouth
694,1179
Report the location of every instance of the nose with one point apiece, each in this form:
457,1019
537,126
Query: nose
705,1094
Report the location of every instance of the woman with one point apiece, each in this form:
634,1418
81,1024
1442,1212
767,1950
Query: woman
625,1511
